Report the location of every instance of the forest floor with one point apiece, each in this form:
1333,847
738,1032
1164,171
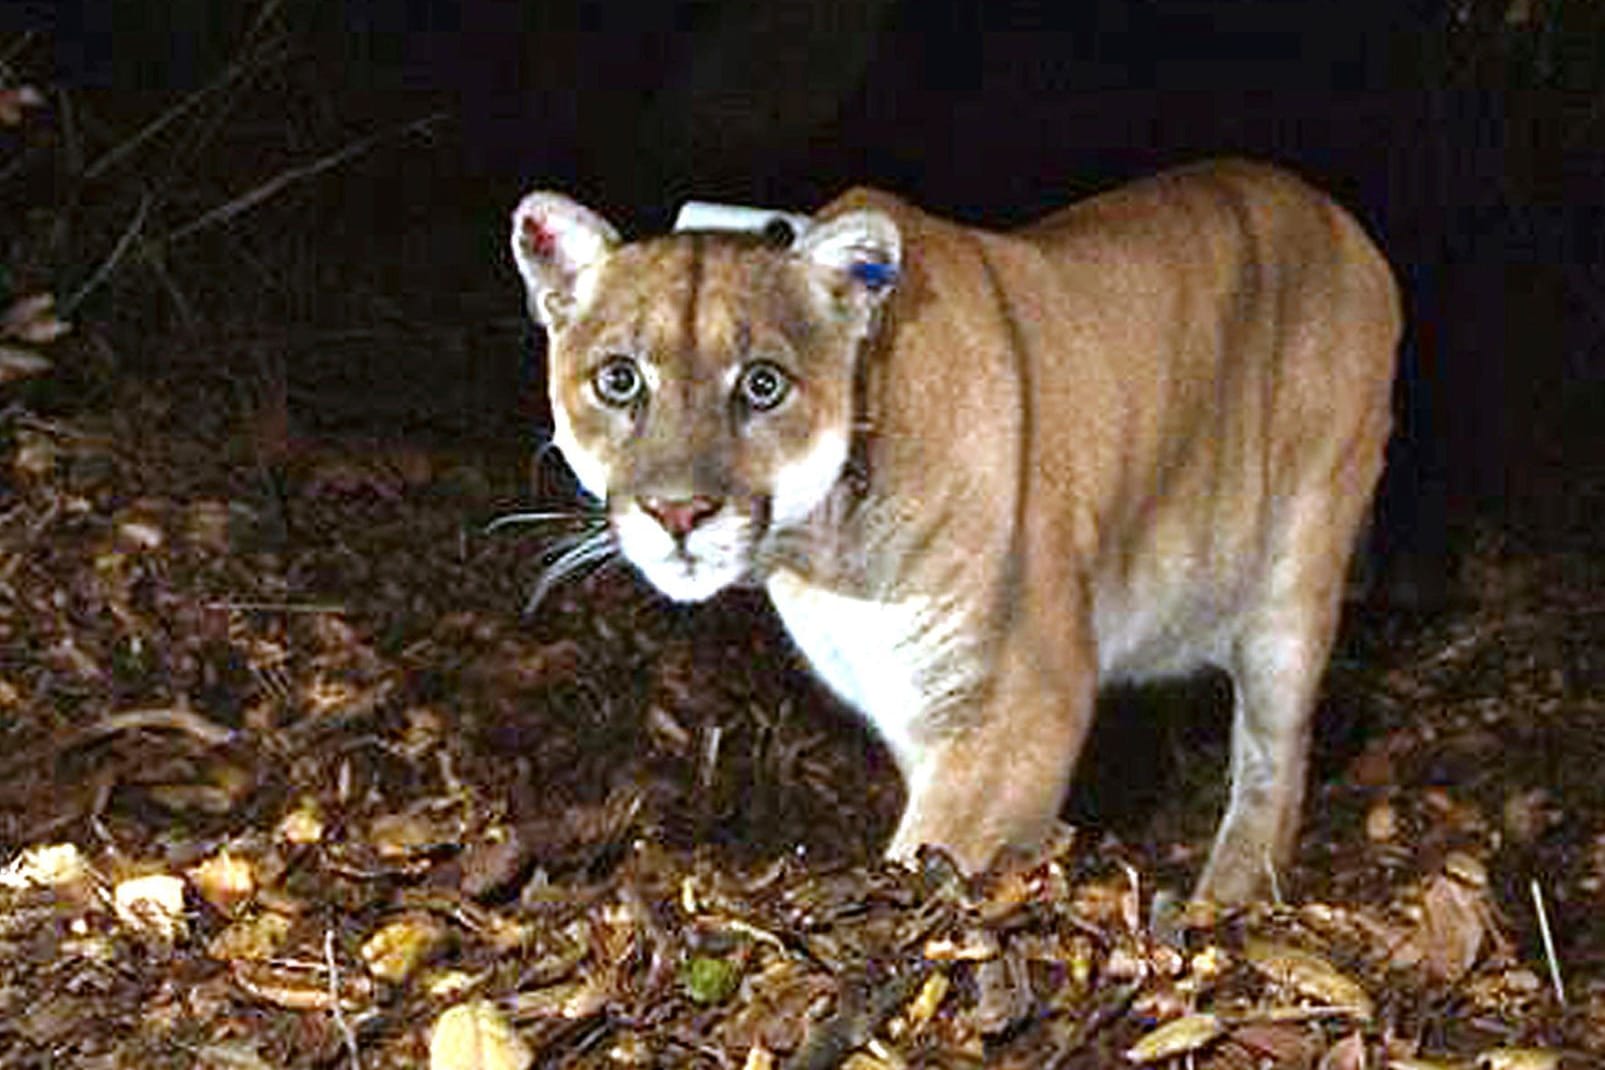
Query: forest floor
289,780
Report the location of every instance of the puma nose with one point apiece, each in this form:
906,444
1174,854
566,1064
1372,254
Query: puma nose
679,516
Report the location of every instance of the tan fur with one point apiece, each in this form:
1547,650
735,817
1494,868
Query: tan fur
1135,438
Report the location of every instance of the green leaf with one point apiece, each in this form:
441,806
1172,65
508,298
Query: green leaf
710,980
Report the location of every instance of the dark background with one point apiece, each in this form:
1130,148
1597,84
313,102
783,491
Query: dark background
1468,136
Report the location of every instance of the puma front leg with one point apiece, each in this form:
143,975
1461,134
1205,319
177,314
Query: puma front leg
996,773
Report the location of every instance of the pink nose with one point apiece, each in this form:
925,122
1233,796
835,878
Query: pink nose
679,516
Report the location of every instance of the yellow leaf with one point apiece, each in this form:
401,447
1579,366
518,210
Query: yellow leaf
1308,974
1518,1059
475,1036
1179,1037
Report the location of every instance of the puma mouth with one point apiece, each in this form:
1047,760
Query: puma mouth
686,579
696,564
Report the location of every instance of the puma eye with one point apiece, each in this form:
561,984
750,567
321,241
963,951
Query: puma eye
763,385
618,382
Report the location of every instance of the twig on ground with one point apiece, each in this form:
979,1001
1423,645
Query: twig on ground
276,607
173,718
332,967
1549,942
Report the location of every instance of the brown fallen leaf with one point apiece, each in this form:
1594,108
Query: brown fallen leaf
1455,917
1004,997
15,100
233,1055
1346,1054
255,936
1452,930
572,1000
774,1013
18,363
1279,1044
299,986
33,319
1309,975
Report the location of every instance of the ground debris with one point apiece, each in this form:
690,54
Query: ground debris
272,797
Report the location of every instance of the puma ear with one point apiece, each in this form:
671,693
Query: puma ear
864,247
554,241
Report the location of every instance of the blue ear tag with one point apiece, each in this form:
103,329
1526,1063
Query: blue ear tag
873,273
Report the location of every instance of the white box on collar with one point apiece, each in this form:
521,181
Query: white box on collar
705,215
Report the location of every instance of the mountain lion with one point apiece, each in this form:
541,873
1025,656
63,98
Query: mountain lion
979,473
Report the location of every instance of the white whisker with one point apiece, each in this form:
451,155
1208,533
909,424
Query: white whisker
572,516
576,552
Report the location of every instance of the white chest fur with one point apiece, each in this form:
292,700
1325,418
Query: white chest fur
893,661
